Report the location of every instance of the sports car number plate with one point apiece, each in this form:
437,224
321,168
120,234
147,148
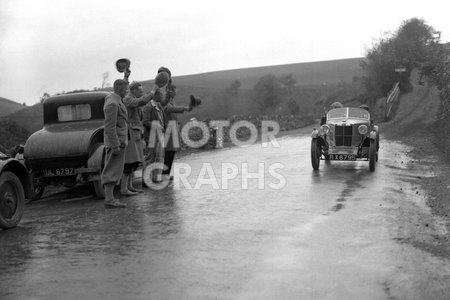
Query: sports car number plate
59,172
342,157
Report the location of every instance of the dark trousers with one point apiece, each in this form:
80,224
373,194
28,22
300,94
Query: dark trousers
169,156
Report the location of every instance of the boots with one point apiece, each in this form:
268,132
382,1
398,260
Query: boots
110,201
130,185
124,186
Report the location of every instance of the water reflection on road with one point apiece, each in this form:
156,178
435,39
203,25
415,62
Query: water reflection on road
180,243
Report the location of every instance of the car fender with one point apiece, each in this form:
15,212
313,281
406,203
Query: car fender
14,166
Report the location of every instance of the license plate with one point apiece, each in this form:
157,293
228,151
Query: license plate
351,157
59,172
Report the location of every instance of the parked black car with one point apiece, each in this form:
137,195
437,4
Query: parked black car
69,148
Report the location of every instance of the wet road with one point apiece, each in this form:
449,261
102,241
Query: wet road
337,233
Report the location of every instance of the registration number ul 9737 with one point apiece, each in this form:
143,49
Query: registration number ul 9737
351,157
59,172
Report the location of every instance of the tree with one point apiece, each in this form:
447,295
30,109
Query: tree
436,67
267,92
44,96
105,77
407,47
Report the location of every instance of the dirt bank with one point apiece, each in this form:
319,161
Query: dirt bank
416,124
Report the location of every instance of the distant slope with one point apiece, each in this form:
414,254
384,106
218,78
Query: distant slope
311,73
8,106
30,118
315,81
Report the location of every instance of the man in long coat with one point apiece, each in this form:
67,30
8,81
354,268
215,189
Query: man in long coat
134,155
115,140
154,127
171,123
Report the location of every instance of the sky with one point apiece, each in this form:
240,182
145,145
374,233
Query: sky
61,45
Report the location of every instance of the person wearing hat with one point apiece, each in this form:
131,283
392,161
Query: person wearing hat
134,153
171,111
115,140
154,128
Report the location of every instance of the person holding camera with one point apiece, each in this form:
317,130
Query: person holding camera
154,128
171,122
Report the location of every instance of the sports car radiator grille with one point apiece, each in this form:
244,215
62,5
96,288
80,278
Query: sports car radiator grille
343,135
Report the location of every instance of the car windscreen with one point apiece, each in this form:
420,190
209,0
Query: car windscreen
337,113
74,112
358,113
348,112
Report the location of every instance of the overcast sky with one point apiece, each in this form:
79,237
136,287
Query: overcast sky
53,46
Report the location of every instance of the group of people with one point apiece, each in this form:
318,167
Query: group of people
136,121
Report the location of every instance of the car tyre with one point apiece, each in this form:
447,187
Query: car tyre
12,200
315,154
372,155
38,192
97,160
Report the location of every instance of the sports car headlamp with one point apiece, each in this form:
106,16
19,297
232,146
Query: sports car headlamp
325,129
362,129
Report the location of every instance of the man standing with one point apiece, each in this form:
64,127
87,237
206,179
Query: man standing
154,127
170,114
116,140
134,154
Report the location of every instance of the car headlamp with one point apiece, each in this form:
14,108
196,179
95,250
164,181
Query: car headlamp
362,129
325,129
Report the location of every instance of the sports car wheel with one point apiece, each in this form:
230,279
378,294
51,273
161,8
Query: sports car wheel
372,155
12,200
315,154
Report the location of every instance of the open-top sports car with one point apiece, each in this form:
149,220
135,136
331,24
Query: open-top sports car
347,135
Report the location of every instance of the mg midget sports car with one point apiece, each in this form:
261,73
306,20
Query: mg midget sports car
15,187
69,148
347,135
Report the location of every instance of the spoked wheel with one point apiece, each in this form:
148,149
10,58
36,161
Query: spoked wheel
316,151
12,200
372,155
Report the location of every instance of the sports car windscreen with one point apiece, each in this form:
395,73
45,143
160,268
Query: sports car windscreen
349,113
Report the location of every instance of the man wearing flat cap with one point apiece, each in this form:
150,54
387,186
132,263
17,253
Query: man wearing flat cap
115,140
134,154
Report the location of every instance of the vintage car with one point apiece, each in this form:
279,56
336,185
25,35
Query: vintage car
347,135
69,149
15,187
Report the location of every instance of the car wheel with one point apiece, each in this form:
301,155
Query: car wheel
38,192
372,155
315,154
96,160
12,200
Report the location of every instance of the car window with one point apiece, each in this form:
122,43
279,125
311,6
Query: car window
337,113
359,113
75,112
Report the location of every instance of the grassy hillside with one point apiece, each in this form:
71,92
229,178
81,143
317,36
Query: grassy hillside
8,107
30,118
311,73
316,83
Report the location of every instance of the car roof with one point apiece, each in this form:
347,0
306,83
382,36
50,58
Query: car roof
74,98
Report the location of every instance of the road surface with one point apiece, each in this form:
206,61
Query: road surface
338,233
